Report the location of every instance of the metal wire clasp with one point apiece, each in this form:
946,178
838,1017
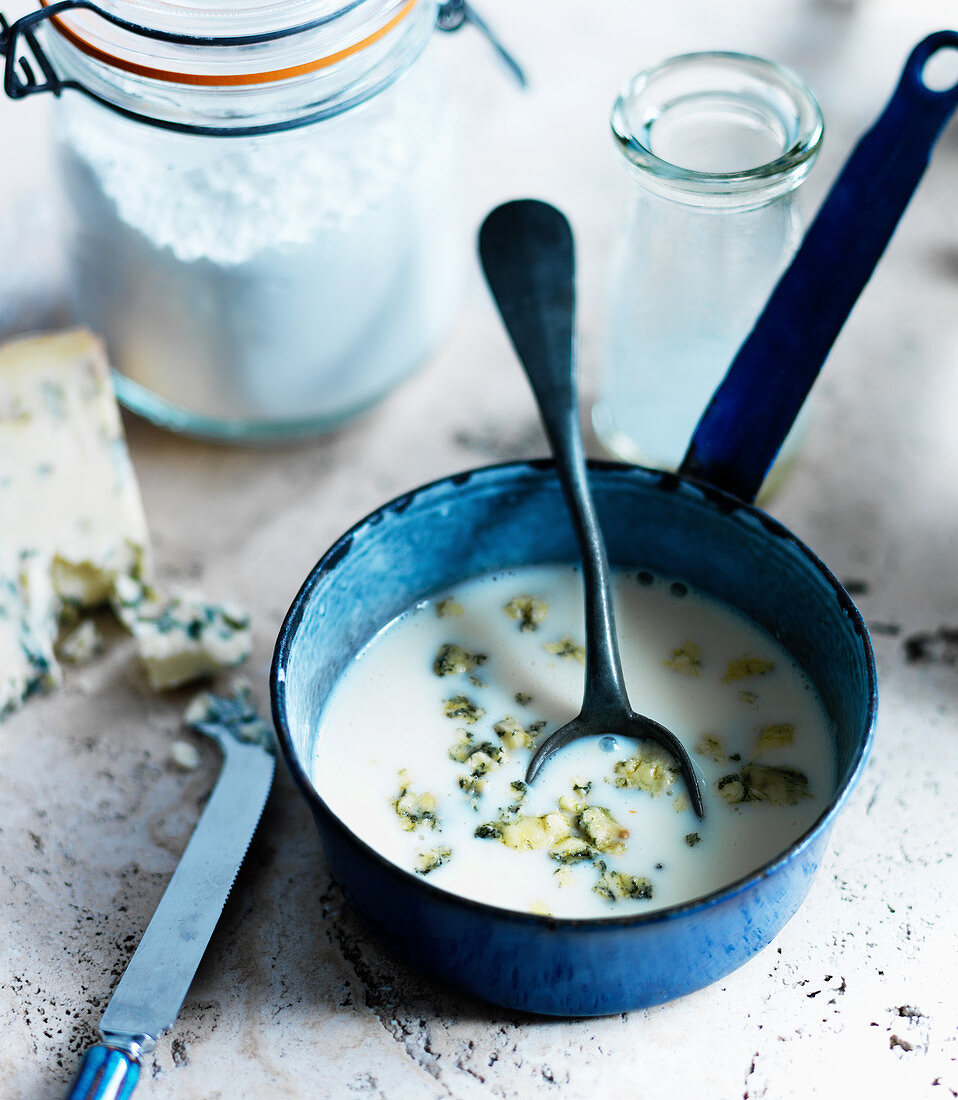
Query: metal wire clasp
453,14
19,77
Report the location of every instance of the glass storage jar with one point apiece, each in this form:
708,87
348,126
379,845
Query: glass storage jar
261,203
716,145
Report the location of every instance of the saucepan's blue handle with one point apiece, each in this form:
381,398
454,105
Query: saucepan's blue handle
743,427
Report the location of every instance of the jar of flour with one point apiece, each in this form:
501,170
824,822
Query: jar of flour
261,202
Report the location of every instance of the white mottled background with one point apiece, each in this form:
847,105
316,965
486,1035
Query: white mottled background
859,995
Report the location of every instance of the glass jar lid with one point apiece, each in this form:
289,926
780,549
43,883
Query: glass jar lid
214,19
205,43
205,67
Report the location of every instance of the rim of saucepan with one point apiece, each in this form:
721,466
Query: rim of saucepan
503,472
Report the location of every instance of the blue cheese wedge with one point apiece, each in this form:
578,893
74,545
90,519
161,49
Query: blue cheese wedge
65,472
28,628
78,537
180,639
73,517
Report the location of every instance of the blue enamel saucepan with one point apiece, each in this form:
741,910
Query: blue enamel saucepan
699,525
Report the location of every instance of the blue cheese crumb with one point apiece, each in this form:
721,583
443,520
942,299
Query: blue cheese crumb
775,736
616,885
461,707
483,759
602,830
686,659
513,734
453,659
572,850
566,647
746,666
81,644
211,714
185,756
711,747
764,783
431,859
650,769
181,639
414,810
526,833
529,611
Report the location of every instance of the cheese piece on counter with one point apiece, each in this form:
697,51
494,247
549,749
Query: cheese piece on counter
67,487
181,638
71,519
81,644
209,714
28,627
73,534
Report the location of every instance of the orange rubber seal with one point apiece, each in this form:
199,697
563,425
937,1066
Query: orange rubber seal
225,79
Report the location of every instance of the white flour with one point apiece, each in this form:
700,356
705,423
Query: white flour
287,278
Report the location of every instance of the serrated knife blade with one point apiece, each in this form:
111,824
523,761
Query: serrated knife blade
156,980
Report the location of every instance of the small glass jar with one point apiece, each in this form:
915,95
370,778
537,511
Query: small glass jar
261,203
716,144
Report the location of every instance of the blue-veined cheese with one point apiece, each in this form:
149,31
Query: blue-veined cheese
67,488
73,534
28,627
79,645
181,638
211,714
71,519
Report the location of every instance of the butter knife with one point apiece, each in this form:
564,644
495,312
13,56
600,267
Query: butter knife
149,996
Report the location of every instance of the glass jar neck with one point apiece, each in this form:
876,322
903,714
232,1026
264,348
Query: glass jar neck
718,130
283,78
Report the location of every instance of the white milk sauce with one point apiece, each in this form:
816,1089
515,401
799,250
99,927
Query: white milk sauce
695,665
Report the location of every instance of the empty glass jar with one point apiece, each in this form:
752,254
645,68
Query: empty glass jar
715,144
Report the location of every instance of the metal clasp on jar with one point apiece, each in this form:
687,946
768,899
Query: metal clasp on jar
454,14
18,85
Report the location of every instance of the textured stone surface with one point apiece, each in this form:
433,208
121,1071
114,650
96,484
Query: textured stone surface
857,996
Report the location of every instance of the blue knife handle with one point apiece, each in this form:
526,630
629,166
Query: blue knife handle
104,1074
749,416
